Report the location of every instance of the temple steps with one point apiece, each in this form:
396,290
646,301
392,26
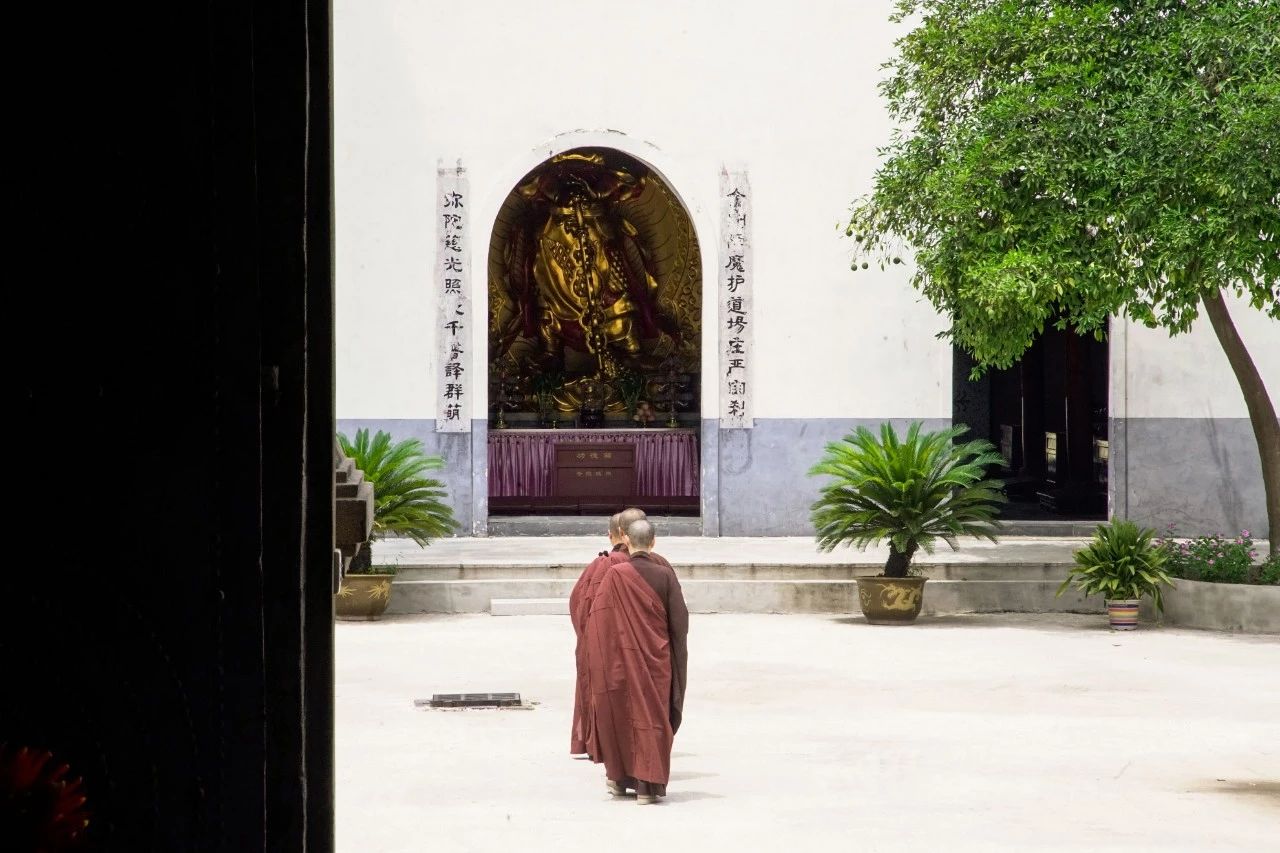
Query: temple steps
530,596
727,575
583,525
529,607
743,571
587,525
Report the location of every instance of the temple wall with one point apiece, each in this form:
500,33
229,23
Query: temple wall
682,87
657,82
1182,447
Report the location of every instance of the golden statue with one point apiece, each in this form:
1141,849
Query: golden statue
578,285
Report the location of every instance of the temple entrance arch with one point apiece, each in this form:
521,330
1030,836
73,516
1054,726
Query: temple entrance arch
594,341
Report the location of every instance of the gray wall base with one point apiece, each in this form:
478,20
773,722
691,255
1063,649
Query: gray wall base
1201,474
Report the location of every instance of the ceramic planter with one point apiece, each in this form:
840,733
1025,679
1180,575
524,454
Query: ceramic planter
363,597
891,601
1123,614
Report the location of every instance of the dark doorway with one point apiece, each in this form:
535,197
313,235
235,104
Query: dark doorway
1047,415
168,630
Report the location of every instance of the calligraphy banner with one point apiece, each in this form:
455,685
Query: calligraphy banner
453,274
734,295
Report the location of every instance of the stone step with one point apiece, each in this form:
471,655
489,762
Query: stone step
753,596
1048,527
584,525
745,571
529,607
589,525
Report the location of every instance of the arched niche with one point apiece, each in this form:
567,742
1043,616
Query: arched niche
594,295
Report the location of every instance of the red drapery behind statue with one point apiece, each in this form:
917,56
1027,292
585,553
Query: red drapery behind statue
521,462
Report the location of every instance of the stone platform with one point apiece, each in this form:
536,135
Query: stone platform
579,525
524,576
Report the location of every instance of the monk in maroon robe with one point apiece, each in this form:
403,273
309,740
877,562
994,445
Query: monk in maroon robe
581,737
637,661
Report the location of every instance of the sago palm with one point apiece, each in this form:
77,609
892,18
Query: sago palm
405,503
909,491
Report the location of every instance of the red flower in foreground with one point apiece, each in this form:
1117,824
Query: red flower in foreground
41,809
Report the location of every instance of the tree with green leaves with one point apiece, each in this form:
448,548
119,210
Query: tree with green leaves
1065,162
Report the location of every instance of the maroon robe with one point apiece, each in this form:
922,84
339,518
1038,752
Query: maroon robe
582,732
581,736
636,656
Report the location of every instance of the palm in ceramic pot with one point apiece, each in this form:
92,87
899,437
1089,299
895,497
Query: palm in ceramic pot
909,491
406,503
1122,564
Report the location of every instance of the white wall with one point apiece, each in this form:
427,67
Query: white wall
788,91
1188,376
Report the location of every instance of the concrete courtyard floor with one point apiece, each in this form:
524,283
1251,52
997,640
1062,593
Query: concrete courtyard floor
975,733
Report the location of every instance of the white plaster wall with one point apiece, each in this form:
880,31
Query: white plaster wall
1188,376
788,91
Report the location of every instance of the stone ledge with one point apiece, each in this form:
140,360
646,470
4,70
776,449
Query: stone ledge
744,571
753,596
1218,607
529,607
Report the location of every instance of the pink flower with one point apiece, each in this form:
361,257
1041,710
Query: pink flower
1244,533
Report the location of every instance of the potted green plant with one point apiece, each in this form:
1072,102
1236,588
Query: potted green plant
631,388
405,503
545,385
1122,564
910,492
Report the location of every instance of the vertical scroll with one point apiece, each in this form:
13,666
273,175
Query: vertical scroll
453,271
734,294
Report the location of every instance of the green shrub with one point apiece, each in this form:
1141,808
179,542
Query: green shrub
1269,571
909,491
1212,559
1123,562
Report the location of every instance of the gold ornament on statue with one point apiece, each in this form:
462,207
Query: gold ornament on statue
593,273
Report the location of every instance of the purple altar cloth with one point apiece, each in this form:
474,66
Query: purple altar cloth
521,461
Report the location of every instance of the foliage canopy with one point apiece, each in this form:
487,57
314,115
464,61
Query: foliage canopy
1060,162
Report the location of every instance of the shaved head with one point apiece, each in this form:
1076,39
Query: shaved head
629,516
616,526
640,535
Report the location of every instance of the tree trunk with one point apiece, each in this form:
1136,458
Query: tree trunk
899,561
1262,413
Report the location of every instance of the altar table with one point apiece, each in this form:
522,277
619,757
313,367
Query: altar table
522,462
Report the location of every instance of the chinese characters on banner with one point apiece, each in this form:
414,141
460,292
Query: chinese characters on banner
453,267
734,293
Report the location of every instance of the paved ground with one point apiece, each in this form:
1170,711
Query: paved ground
699,550
806,733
